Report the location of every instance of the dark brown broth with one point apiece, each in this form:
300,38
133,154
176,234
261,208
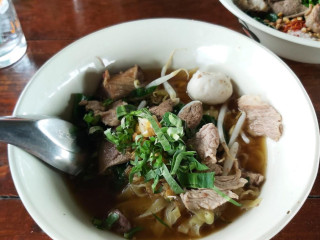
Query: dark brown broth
97,197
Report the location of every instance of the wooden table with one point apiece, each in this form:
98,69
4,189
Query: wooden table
51,25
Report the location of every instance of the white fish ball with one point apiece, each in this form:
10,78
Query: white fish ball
210,87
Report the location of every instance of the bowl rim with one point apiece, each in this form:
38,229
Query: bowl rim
235,10
11,149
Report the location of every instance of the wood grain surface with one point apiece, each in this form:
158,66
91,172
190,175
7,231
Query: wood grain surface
49,26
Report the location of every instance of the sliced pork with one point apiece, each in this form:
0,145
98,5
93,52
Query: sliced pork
205,199
192,114
230,182
110,156
206,142
160,110
263,119
121,84
253,5
313,19
255,179
109,117
288,7
93,105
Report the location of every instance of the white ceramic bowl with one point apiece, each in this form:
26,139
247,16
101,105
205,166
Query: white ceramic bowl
149,44
284,45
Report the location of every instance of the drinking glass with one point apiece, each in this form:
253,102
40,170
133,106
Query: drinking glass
12,41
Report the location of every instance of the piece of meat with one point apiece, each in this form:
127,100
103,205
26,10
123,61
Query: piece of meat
110,156
93,105
255,179
192,114
205,199
263,119
230,182
252,5
121,84
214,167
109,117
122,225
313,19
206,142
287,7
160,110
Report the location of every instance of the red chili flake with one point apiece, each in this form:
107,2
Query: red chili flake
294,25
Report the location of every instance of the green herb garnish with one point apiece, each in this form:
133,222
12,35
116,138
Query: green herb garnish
160,220
229,199
106,224
91,119
131,232
308,2
142,92
196,180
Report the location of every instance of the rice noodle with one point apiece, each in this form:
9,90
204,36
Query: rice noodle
139,189
191,226
249,194
172,214
156,206
228,163
237,129
247,204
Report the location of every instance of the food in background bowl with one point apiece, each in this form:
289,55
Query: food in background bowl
285,45
166,168
299,18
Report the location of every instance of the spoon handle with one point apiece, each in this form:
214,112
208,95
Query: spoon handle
19,132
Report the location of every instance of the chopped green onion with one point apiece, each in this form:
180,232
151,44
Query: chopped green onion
95,129
110,136
91,119
195,164
132,231
142,92
171,120
229,199
124,110
196,180
170,180
177,158
106,223
160,220
144,113
107,102
111,219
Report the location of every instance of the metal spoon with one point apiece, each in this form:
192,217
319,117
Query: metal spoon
51,139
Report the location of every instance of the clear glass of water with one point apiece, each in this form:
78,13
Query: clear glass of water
12,41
